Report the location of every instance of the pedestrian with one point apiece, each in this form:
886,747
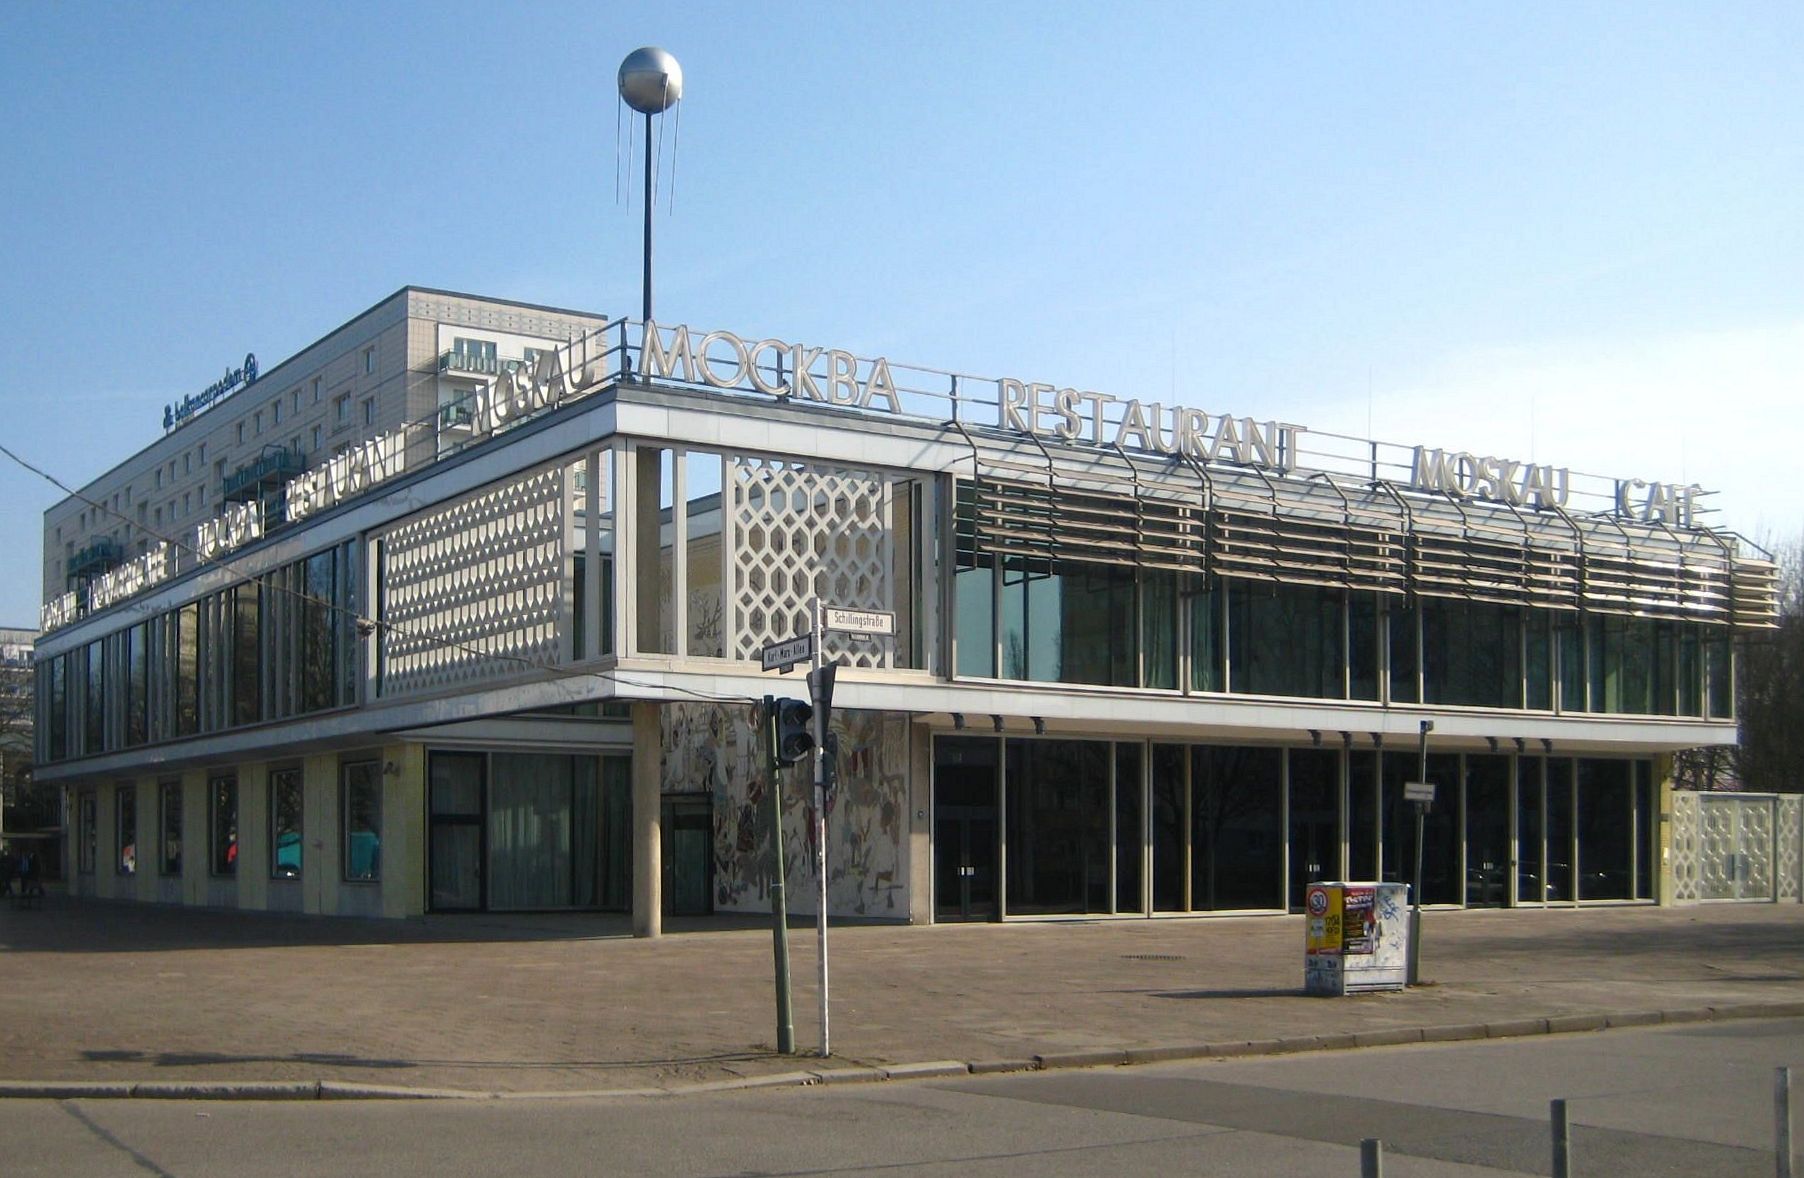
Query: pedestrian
29,884
9,867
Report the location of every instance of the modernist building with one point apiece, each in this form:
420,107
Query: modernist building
462,608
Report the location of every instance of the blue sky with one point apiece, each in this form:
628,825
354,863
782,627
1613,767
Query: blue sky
1565,232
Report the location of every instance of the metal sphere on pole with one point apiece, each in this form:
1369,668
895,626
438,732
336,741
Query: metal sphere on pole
651,82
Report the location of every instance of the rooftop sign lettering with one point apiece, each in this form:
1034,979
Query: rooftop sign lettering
1151,426
724,361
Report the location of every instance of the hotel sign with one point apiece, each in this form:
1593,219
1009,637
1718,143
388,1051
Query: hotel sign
245,374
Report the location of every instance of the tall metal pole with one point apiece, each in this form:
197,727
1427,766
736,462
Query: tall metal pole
820,818
648,199
1415,908
779,906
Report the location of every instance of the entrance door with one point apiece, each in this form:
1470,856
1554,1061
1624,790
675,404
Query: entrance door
455,832
688,845
965,829
1737,844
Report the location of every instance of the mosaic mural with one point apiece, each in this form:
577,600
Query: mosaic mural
713,749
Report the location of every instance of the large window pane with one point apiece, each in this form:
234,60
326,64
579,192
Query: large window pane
125,829
1440,829
1207,648
1159,628
1314,819
286,841
222,801
318,647
530,840
1284,640
1129,838
1606,830
247,686
1488,881
1057,826
170,793
1530,827
137,692
1237,831
1558,820
975,606
1171,816
1362,815
1471,653
360,812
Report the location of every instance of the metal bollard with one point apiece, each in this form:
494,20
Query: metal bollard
1782,1152
1371,1158
1562,1142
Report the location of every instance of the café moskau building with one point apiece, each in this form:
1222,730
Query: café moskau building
466,606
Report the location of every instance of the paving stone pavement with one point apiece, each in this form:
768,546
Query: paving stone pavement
126,995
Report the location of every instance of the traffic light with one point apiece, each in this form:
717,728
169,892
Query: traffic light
794,738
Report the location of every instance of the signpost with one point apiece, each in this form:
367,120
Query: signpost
1420,794
781,656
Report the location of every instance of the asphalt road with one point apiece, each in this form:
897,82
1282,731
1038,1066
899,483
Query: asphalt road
1686,1101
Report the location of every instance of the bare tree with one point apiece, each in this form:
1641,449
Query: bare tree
1769,689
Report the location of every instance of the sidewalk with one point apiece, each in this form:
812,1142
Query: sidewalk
124,994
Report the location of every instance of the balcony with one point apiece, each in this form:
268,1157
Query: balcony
272,469
95,559
463,362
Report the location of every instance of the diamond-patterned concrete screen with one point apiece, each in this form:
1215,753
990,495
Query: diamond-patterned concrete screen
802,531
1685,839
482,577
1789,848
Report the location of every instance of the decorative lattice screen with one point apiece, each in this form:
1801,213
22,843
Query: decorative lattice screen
805,531
482,577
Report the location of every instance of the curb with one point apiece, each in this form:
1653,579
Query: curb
931,1069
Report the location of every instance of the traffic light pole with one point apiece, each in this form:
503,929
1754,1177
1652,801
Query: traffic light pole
819,760
779,906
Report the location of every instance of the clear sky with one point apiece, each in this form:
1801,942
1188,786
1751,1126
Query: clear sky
1564,232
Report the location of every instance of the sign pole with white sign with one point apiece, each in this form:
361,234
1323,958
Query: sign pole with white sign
1421,793
819,758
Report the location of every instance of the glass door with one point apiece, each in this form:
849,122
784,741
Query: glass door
965,829
455,833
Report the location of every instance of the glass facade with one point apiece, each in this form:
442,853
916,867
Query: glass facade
282,645
1067,621
1244,828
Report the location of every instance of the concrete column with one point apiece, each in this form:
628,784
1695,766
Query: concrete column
648,891
254,850
404,831
1663,885
648,577
918,842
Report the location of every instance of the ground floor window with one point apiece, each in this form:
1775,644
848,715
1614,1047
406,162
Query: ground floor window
285,825
360,810
531,831
125,827
1027,826
85,835
169,795
222,801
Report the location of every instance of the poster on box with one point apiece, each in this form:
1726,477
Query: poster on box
1323,908
1359,924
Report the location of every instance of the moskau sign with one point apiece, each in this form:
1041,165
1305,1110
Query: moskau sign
724,361
237,525
174,415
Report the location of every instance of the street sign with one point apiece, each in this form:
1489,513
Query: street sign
860,621
1418,791
780,656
